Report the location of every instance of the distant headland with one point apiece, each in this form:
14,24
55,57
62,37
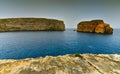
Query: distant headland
31,24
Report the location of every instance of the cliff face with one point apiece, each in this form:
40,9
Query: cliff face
31,24
68,64
97,26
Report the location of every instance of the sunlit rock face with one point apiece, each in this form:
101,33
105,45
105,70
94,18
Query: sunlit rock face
31,24
67,64
97,26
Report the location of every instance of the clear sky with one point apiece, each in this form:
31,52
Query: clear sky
70,11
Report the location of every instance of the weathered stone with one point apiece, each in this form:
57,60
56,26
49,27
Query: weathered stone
67,64
97,26
31,24
108,30
100,28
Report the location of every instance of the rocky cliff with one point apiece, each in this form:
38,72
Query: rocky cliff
67,64
31,24
97,26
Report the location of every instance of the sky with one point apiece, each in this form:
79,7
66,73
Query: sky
70,11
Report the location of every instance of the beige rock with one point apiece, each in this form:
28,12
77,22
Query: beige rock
67,64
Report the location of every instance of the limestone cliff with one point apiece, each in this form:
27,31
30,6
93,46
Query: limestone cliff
67,64
31,24
97,26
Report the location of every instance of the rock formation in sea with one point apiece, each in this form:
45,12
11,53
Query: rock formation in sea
97,26
67,64
31,24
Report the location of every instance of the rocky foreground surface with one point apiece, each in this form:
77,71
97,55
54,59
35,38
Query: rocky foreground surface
67,64
31,24
94,26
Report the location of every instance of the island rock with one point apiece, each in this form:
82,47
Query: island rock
97,26
31,24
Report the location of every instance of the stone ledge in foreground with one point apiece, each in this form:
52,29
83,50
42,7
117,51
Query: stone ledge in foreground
67,64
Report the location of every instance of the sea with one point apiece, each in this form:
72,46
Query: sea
33,44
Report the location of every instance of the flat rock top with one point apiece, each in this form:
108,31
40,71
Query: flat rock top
5,19
24,21
67,64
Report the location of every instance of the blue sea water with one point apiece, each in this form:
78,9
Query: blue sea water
20,45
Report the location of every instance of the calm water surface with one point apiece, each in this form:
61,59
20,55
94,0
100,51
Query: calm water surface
19,45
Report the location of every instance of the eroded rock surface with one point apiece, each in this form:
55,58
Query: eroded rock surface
31,24
97,26
67,64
